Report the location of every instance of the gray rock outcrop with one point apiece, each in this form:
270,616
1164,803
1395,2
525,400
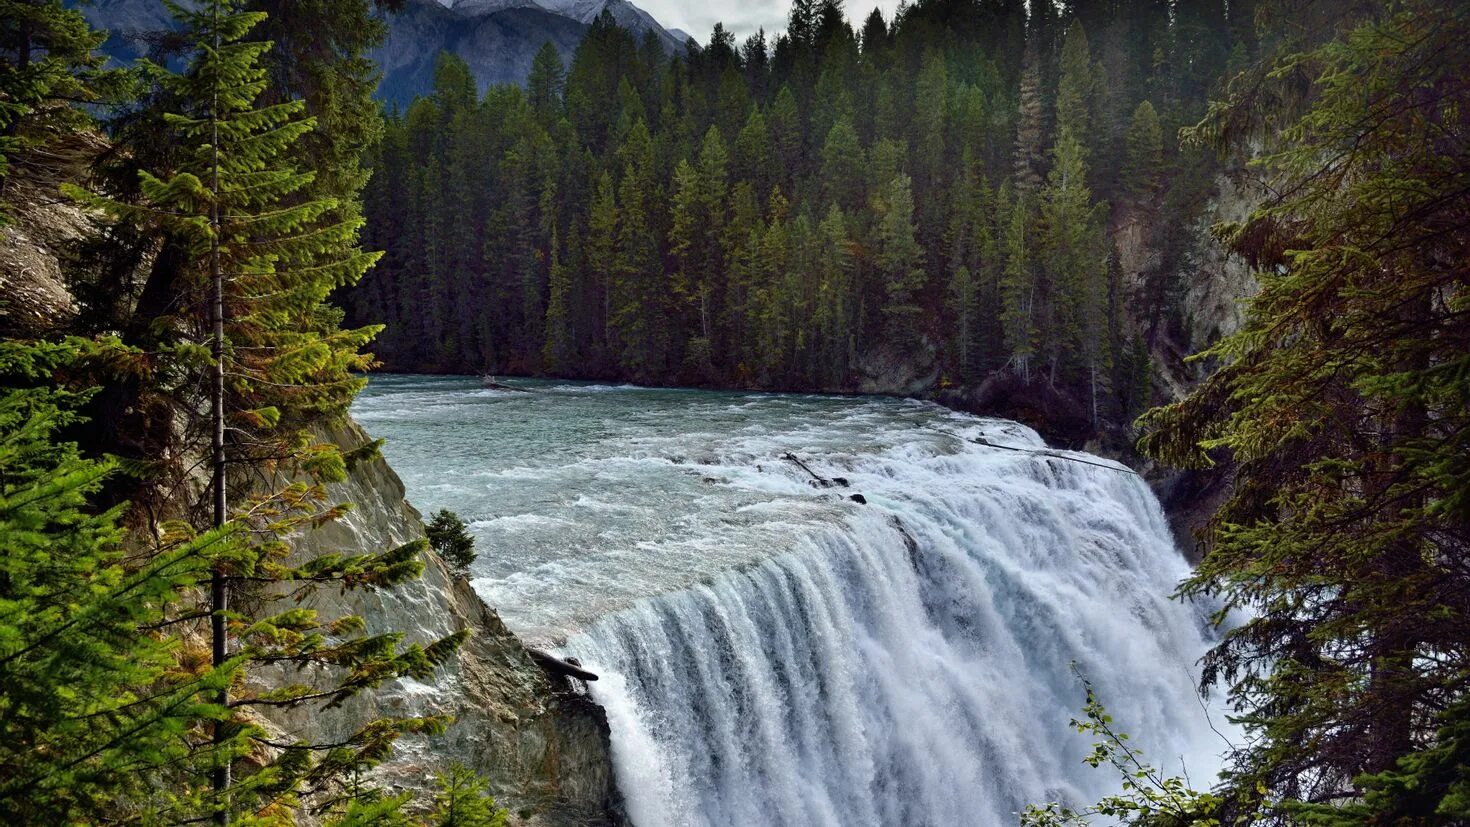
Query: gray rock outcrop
543,746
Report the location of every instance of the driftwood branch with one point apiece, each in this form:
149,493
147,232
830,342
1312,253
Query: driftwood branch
817,480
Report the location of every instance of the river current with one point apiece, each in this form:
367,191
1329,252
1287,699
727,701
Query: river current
774,652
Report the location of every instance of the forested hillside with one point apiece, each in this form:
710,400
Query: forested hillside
934,192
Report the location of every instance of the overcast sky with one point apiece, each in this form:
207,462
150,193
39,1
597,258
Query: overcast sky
698,17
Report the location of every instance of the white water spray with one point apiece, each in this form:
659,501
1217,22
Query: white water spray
914,664
777,654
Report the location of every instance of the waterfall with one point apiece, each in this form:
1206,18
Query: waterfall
915,662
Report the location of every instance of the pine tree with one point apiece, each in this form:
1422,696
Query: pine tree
1342,404
842,167
639,322
602,228
833,313
560,350
546,83
900,259
1076,92
48,61
263,262
449,536
1018,285
931,98
463,801
754,156
1073,261
91,707
787,137
1145,155
963,295
1030,140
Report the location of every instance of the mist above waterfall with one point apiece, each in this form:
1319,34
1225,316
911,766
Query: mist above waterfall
775,653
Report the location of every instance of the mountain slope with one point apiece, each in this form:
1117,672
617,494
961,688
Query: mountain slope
497,38
627,15
498,45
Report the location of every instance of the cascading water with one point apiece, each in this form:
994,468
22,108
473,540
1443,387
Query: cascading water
775,653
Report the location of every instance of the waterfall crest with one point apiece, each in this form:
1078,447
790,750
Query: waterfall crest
912,664
776,653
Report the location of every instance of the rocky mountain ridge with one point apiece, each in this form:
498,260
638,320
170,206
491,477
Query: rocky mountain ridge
497,38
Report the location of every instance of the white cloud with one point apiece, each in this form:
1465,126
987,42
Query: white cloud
698,17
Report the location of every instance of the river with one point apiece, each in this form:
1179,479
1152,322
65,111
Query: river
774,652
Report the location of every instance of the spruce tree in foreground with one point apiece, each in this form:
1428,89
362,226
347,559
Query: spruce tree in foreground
94,709
1344,404
262,256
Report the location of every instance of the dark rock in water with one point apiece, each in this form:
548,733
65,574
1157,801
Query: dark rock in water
840,481
859,499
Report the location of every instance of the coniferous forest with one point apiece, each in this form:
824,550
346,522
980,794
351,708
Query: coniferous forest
207,251
779,213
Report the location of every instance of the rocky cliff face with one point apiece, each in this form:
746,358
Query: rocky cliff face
542,744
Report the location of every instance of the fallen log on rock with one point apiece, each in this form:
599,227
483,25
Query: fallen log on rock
566,667
490,384
817,480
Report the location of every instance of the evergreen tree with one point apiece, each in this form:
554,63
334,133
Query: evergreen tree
833,312
842,167
1073,258
754,156
462,801
560,351
900,259
931,112
546,83
1018,285
1075,90
601,244
963,295
639,325
1145,157
449,536
47,62
261,263
91,708
1030,125
1342,403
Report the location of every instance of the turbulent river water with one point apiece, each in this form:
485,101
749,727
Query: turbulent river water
776,653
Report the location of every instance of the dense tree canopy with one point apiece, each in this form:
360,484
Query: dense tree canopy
1345,406
773,214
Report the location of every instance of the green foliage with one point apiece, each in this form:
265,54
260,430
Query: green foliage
462,801
1148,796
48,63
1145,144
1344,406
450,537
227,199
900,259
93,705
